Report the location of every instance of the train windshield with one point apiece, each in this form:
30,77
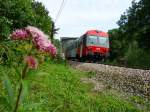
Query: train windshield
98,41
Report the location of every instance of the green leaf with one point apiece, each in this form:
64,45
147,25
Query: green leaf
25,90
4,104
18,73
9,90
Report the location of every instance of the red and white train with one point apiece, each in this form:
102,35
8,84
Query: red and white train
93,45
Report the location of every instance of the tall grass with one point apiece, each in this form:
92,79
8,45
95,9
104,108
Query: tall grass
57,88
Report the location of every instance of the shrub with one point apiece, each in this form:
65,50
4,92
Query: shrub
34,43
137,57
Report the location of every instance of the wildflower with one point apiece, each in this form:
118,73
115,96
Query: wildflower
19,34
31,62
51,49
41,41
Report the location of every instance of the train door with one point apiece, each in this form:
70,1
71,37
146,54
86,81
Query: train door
83,46
80,47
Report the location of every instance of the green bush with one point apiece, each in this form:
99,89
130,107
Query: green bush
136,57
15,14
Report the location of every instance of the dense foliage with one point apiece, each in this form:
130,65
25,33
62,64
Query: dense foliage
130,42
21,48
16,14
38,46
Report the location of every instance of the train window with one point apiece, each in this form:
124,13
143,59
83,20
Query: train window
104,41
92,40
98,41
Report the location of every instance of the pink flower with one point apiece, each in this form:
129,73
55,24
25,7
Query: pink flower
31,62
41,41
20,34
51,50
35,31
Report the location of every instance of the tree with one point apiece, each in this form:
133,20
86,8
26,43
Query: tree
16,14
135,23
42,18
134,27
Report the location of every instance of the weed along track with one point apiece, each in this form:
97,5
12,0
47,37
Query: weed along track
132,81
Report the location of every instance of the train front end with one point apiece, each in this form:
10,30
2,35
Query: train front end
97,45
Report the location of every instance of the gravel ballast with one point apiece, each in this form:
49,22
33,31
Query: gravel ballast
134,81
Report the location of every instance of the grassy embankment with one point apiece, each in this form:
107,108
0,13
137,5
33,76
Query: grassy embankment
57,88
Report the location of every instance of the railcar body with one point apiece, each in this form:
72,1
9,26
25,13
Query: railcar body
93,45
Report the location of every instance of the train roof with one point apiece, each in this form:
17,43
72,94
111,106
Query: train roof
97,32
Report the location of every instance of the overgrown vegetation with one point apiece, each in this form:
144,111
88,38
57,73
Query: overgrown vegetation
130,42
57,88
35,46
16,14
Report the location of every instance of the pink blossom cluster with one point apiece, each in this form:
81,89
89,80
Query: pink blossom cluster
31,62
51,49
39,39
20,34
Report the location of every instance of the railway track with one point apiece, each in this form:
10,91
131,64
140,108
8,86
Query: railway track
134,81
